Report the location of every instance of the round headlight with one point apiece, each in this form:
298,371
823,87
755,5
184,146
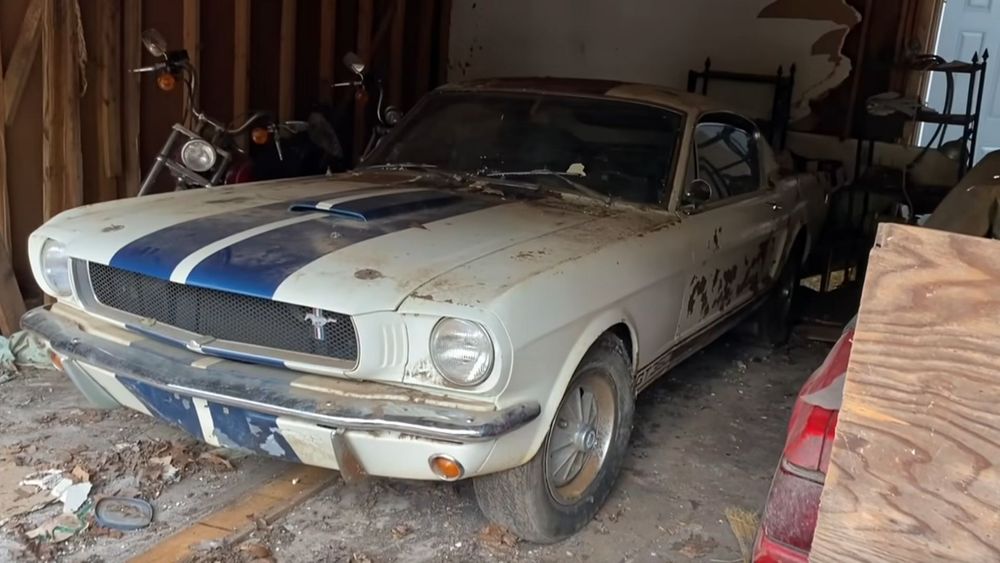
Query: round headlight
198,155
55,268
462,351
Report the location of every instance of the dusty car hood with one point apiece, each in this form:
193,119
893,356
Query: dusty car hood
352,243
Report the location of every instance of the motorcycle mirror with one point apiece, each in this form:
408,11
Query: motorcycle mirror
354,62
393,116
154,42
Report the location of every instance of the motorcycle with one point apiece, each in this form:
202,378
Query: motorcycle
209,154
386,116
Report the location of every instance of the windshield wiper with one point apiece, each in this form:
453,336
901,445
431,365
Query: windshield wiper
453,176
464,177
564,176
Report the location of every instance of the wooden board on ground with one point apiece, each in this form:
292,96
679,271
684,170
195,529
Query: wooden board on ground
915,469
232,524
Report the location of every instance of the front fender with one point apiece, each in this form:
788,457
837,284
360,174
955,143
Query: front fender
534,360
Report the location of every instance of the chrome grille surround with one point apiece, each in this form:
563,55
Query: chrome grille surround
217,322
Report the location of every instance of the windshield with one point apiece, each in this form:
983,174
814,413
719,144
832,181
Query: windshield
616,149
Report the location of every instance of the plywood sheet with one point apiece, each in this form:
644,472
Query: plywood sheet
915,469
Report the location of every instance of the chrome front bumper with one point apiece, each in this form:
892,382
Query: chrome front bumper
325,404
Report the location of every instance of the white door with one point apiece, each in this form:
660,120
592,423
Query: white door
736,235
969,27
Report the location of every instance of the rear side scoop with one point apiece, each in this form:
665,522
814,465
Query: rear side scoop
381,206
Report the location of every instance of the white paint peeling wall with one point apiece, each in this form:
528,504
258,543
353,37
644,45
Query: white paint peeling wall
655,41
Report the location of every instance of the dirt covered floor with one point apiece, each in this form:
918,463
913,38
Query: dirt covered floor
706,438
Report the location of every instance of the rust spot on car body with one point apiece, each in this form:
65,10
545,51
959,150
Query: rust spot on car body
368,274
699,286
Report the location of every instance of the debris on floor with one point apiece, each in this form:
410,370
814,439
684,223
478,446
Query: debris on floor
744,523
61,527
497,537
120,513
15,498
133,470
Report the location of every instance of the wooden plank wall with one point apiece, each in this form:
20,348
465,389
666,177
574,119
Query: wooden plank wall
915,469
82,134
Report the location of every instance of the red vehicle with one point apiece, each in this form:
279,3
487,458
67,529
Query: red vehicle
789,519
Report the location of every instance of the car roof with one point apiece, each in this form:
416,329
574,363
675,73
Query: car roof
685,102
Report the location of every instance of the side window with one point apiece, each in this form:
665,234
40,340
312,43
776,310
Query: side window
726,159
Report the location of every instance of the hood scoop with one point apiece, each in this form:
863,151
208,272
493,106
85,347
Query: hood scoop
380,206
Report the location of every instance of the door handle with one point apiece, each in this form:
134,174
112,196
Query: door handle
775,206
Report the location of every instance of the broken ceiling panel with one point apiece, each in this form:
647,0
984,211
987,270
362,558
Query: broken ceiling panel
657,42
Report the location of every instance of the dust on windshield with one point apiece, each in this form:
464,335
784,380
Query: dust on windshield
618,149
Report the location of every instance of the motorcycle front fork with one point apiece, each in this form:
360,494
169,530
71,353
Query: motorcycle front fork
161,160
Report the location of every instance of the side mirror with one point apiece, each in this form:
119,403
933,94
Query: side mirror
154,43
354,62
696,194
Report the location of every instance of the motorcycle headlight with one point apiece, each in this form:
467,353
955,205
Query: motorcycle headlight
198,155
55,268
462,351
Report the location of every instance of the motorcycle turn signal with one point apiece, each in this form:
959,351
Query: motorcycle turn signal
259,135
166,81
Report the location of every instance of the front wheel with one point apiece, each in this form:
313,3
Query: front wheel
558,492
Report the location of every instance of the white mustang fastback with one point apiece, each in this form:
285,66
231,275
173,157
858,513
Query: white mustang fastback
482,298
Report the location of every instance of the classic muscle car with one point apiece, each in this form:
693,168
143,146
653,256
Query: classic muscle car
482,298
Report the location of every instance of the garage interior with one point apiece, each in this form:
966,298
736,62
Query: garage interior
849,90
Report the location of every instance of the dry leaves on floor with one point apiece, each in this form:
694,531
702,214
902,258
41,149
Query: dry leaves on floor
696,546
497,536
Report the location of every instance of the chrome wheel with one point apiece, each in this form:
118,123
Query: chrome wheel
580,436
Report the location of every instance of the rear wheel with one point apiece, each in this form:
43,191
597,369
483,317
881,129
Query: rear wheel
558,492
774,320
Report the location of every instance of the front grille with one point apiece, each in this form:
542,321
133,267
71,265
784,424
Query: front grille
223,315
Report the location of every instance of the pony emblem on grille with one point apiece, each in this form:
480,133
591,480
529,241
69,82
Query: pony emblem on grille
319,321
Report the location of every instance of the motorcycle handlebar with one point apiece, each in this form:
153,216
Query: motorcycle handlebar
152,68
250,121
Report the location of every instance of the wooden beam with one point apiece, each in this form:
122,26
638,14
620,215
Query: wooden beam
366,16
108,107
131,95
286,69
5,231
425,40
22,58
382,32
396,42
241,59
11,301
444,41
914,473
327,47
62,162
191,31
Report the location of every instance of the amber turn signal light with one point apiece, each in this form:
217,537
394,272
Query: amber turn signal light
57,360
166,81
446,467
259,135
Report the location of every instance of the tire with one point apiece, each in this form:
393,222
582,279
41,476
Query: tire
774,320
544,506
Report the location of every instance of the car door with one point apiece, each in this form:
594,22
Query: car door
735,225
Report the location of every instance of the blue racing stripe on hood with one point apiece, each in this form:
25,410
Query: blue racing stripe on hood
259,264
385,205
158,253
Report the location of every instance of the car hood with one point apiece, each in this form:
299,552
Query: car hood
352,243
